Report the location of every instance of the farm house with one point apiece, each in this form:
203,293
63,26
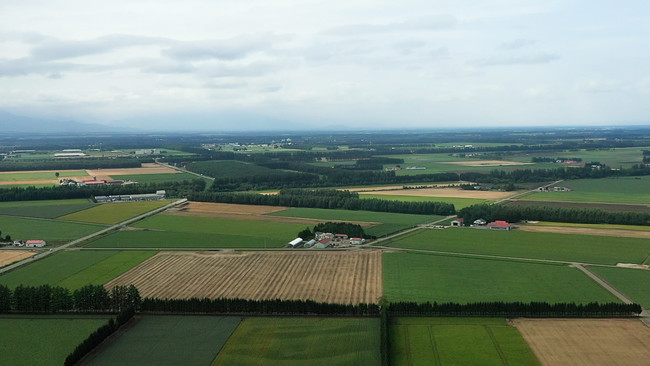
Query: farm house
499,225
457,222
35,243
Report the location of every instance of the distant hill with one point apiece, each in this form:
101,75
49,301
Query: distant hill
14,124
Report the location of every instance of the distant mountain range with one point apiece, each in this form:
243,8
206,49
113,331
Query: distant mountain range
14,124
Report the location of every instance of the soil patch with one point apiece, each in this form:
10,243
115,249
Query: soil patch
587,341
485,163
10,256
335,277
587,231
147,168
448,192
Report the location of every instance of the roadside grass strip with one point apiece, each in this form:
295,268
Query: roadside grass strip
524,244
75,269
113,213
303,341
391,222
43,340
458,341
169,340
52,231
634,283
424,277
172,231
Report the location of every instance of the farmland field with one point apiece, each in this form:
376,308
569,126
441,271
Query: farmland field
43,339
425,277
169,340
337,277
52,231
391,222
47,209
40,175
302,341
173,231
223,169
10,256
457,341
634,283
74,269
562,247
113,213
628,190
586,342
458,202
157,178
450,192
611,207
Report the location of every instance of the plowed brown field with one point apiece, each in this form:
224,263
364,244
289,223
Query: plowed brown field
248,212
590,342
587,231
335,277
147,168
10,256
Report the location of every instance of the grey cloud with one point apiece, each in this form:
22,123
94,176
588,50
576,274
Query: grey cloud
517,44
238,70
434,23
26,66
539,58
63,49
228,49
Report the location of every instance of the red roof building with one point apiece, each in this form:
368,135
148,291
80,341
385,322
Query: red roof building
500,225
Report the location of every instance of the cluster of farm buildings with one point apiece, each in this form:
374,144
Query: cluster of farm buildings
159,195
325,240
552,188
34,243
480,223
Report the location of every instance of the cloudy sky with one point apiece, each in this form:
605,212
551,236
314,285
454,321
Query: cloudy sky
241,64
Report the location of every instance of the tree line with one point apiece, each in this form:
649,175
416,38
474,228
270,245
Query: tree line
327,198
71,164
6,238
555,214
53,299
509,309
98,336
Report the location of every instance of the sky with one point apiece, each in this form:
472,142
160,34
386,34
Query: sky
304,64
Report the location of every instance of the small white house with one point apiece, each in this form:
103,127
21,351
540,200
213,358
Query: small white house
18,243
35,243
457,222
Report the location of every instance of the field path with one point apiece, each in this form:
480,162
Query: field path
604,284
183,170
526,192
103,231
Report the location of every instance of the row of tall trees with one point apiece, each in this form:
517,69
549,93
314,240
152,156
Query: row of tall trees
321,199
555,214
53,299
507,309
98,336
6,237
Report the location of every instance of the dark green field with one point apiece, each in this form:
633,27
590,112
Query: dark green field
169,340
74,269
525,244
628,190
48,209
172,231
425,277
157,178
224,169
52,231
457,341
634,283
390,222
43,339
302,341
113,213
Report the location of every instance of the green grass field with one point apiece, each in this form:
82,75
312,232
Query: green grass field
424,277
157,178
48,209
526,244
457,341
43,339
634,283
457,202
592,226
302,341
391,222
172,231
169,340
626,190
53,231
75,269
113,213
231,169
29,176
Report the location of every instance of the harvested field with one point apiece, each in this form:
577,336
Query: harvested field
485,163
447,192
248,212
10,256
600,206
586,231
147,168
587,341
16,182
335,277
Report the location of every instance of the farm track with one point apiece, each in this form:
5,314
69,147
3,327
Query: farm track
338,277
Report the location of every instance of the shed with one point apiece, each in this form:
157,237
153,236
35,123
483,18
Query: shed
310,243
294,243
499,225
35,243
356,241
457,222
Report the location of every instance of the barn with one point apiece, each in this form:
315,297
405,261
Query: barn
499,225
35,243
